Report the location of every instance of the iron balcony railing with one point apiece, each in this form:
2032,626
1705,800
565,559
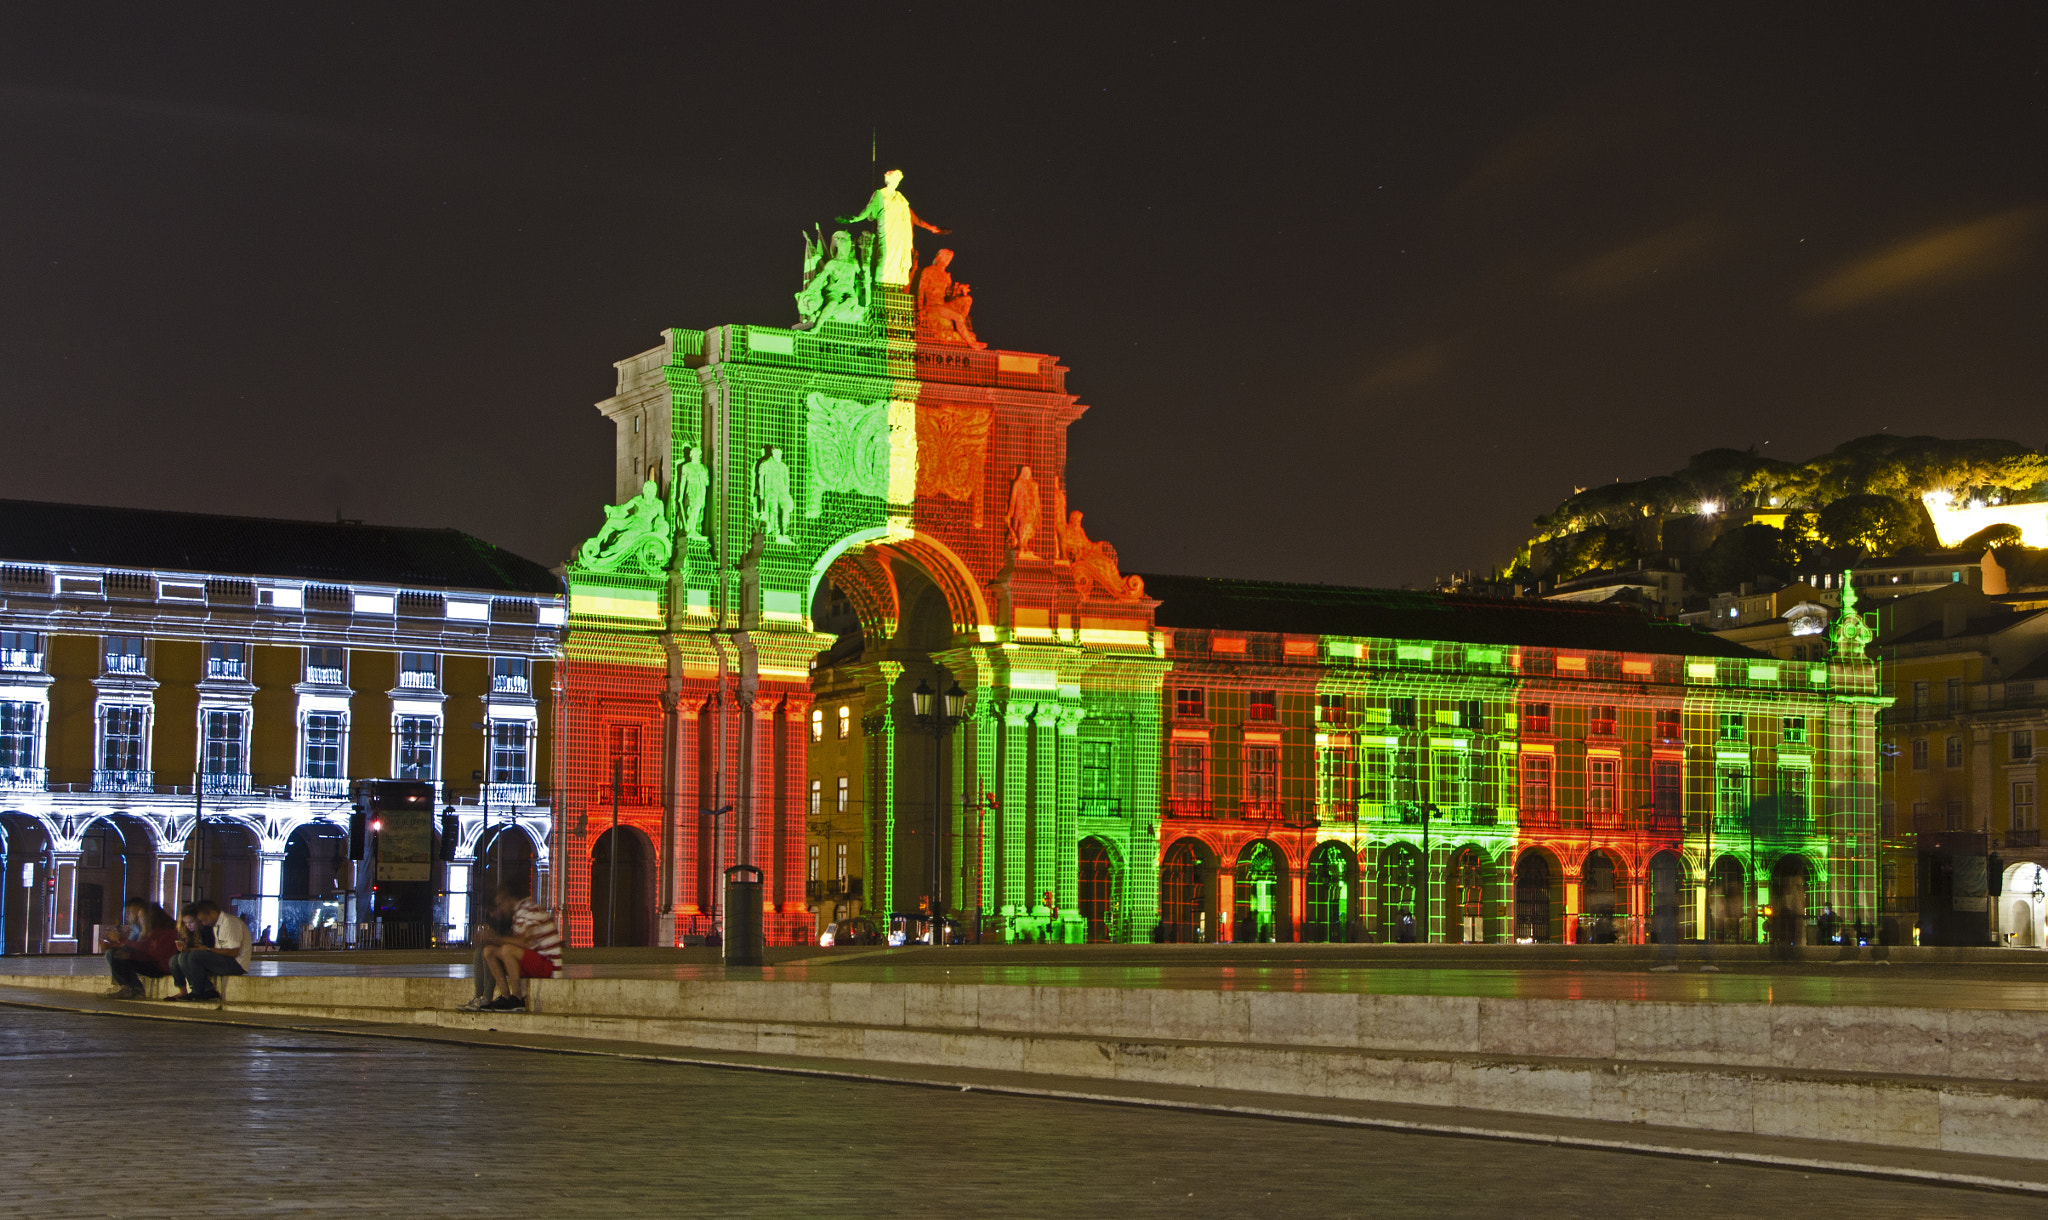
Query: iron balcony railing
1187,807
124,781
33,778
509,684
224,783
311,787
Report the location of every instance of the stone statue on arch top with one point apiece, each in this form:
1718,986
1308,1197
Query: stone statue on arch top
893,221
835,284
773,503
687,493
635,534
943,303
1025,507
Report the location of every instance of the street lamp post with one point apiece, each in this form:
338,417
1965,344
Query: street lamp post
936,722
1429,814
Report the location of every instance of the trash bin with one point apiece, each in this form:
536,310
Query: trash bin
743,915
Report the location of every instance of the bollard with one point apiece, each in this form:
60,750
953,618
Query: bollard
742,915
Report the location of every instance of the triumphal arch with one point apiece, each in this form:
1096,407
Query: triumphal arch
865,489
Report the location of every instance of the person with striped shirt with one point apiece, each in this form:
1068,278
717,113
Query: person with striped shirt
532,950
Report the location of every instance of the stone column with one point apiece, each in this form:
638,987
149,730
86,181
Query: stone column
1064,844
1015,823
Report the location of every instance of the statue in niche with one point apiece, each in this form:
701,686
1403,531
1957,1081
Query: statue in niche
1096,563
893,221
835,286
1024,509
687,493
773,503
635,534
943,303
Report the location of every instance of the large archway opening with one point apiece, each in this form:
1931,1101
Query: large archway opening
1400,889
227,868
1730,913
621,889
1791,878
1329,894
25,855
1671,900
1187,875
1537,910
1603,900
312,899
1465,897
1259,907
506,853
116,862
1098,890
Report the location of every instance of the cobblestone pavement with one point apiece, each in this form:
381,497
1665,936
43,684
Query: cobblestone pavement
106,1116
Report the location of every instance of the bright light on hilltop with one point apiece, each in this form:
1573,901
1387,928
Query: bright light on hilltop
1953,522
1709,507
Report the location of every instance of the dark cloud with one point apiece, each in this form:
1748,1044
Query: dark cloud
1928,260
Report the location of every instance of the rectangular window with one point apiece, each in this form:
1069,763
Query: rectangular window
1188,703
323,745
817,798
2022,745
1955,816
812,875
20,650
2023,807
17,735
1262,775
419,670
1401,713
325,666
121,743
1919,753
845,793
124,654
1330,709
1536,718
1536,782
1600,722
1333,778
225,660
817,724
840,865
1792,792
1734,727
509,676
224,743
1263,705
624,763
1920,700
1095,773
1449,783
1667,724
1952,751
1794,731
1190,772
1600,786
1955,697
1666,788
508,752
1923,819
1472,715
1733,793
845,722
1372,776
416,747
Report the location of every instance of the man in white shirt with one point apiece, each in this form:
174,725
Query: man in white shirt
197,968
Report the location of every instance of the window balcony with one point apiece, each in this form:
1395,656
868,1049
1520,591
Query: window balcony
522,794
18,660
31,779
1605,819
1340,812
222,668
317,787
224,783
1540,819
125,665
1259,808
1101,807
1187,807
321,675
510,684
419,679
629,795
124,781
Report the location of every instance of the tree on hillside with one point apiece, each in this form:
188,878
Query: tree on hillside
1879,525
1745,554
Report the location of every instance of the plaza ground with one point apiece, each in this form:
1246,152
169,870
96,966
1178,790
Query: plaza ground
94,1112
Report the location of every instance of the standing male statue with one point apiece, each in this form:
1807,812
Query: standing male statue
893,218
687,490
771,494
1024,509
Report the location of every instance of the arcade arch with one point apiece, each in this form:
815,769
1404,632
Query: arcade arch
622,889
1330,894
1098,883
1539,909
1259,891
1187,892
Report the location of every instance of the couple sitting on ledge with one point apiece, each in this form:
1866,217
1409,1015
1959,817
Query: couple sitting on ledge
518,940
205,944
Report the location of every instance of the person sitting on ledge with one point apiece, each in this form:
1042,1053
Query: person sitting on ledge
532,950
496,926
232,945
144,954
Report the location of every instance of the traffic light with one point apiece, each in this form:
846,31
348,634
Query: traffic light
358,832
451,835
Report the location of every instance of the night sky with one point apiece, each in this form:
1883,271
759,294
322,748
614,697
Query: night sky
1353,292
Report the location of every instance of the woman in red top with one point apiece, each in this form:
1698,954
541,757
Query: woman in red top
144,956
